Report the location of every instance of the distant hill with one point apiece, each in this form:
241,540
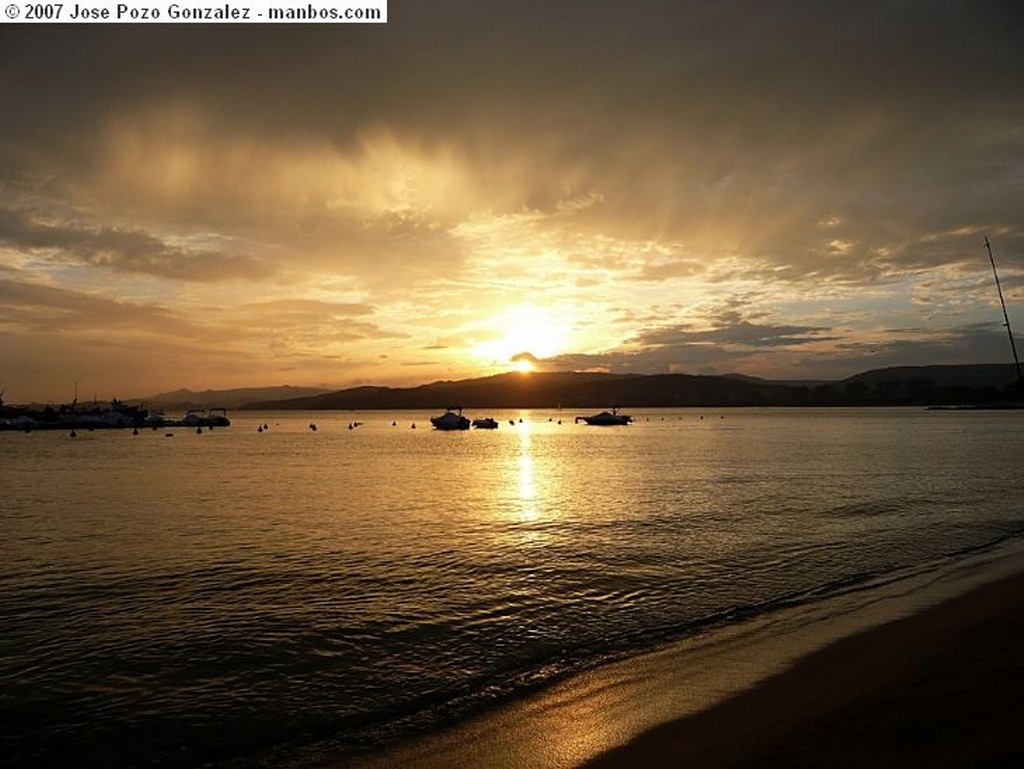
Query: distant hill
925,385
189,399
787,382
550,390
982,383
981,375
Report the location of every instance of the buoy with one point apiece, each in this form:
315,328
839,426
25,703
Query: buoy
413,425
135,431
74,434
259,429
199,431
394,423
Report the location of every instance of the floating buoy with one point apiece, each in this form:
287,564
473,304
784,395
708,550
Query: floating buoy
413,425
168,435
259,429
394,423
135,431
199,431
74,434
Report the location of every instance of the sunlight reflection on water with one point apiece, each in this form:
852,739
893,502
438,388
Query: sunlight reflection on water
369,580
527,489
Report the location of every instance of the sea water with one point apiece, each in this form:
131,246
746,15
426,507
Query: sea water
266,596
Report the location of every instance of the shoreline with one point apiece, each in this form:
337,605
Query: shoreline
682,705
939,688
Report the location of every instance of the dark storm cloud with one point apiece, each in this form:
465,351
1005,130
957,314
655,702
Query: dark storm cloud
711,122
778,72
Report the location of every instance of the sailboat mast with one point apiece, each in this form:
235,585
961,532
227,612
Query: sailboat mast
1006,318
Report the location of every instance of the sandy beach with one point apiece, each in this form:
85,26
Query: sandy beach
940,688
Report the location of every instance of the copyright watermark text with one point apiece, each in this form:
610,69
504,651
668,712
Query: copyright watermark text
199,11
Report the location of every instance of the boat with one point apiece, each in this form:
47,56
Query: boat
486,423
606,418
451,419
218,417
215,417
116,414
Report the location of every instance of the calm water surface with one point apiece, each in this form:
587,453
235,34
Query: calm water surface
239,596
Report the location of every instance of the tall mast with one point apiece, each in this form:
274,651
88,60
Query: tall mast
1006,318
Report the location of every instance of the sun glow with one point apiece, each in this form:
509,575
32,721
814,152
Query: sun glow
523,333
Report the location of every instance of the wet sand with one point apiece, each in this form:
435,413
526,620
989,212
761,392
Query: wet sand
940,688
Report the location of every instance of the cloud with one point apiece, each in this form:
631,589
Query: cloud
713,185
740,333
680,348
48,309
124,250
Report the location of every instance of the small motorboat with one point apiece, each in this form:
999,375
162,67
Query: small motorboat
606,419
451,419
485,423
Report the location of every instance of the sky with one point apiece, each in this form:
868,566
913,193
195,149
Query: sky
791,190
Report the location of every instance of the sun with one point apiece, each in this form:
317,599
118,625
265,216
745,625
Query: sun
524,333
524,365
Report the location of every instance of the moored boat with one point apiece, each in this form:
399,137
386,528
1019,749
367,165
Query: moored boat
451,419
68,416
606,419
485,423
215,417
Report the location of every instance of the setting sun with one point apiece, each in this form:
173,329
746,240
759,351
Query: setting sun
524,333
